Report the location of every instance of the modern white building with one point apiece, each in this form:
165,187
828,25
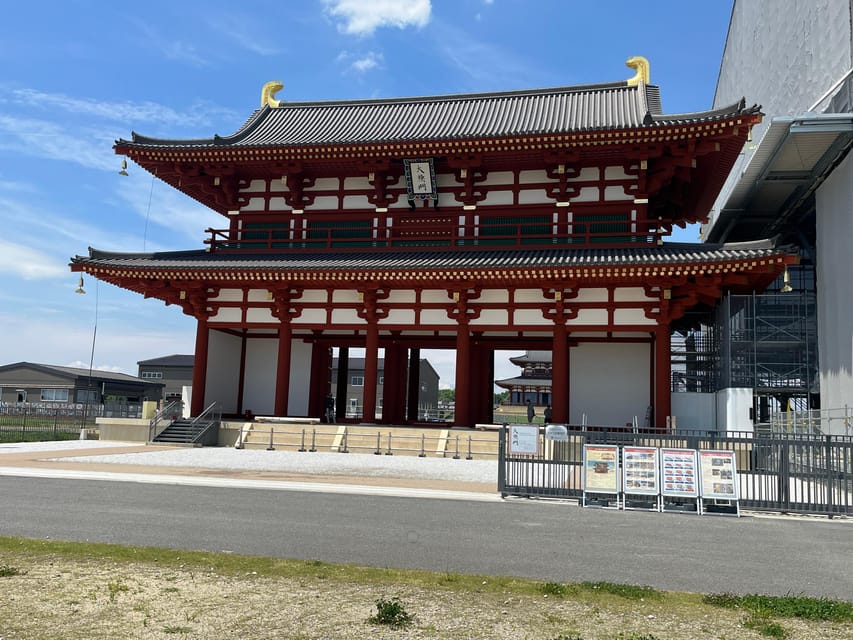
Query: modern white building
794,182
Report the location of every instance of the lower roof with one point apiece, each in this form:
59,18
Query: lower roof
201,261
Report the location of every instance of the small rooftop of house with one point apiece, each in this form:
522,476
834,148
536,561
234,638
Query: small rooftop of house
174,360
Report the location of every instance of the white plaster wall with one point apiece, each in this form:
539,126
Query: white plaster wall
592,295
255,186
260,315
227,314
254,204
533,196
631,316
492,317
259,381
435,316
490,296
223,370
229,295
258,295
834,202
733,406
340,316
589,316
694,411
497,198
311,316
324,184
609,383
300,364
399,316
530,316
782,55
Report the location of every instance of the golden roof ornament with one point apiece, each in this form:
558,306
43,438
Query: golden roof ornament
642,66
268,93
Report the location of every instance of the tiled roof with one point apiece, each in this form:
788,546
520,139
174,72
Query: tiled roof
174,360
666,254
453,117
76,372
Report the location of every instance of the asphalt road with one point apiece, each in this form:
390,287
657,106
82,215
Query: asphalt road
550,541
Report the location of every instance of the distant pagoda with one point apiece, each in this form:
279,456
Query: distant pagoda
534,383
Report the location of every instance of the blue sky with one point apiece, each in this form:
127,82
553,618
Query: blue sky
79,74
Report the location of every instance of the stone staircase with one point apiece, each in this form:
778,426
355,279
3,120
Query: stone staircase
183,432
376,440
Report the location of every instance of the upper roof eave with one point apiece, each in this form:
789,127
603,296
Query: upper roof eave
553,111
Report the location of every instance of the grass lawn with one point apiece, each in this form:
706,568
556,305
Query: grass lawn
52,590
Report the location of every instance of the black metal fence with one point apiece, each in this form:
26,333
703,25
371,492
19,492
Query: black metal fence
782,472
23,423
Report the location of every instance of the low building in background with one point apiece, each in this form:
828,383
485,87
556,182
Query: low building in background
174,371
50,386
427,390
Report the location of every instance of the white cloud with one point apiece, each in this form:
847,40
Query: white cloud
28,263
363,17
360,64
177,217
244,31
124,112
370,61
170,48
43,139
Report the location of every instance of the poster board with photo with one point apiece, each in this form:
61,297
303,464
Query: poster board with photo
719,475
640,471
679,474
600,468
523,440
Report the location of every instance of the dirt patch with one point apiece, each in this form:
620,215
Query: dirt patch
91,599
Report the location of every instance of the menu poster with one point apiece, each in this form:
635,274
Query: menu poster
678,473
600,468
719,475
523,440
640,470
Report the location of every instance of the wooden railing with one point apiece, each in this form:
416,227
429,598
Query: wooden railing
506,234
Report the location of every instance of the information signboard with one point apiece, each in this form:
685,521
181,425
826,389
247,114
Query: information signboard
679,476
523,440
600,469
640,470
719,475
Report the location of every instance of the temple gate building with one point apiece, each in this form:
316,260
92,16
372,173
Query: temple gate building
529,219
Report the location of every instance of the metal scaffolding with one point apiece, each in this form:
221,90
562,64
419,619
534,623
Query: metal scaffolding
765,342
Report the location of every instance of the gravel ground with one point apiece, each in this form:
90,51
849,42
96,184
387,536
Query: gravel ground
316,463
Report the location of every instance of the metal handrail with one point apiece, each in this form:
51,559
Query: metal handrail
206,420
154,423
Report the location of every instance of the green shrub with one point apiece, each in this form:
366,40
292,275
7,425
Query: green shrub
391,613
817,609
629,591
7,572
556,589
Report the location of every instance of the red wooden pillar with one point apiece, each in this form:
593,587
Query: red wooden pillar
241,375
394,384
200,367
282,372
414,389
481,391
560,375
463,368
663,396
341,400
319,385
371,368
